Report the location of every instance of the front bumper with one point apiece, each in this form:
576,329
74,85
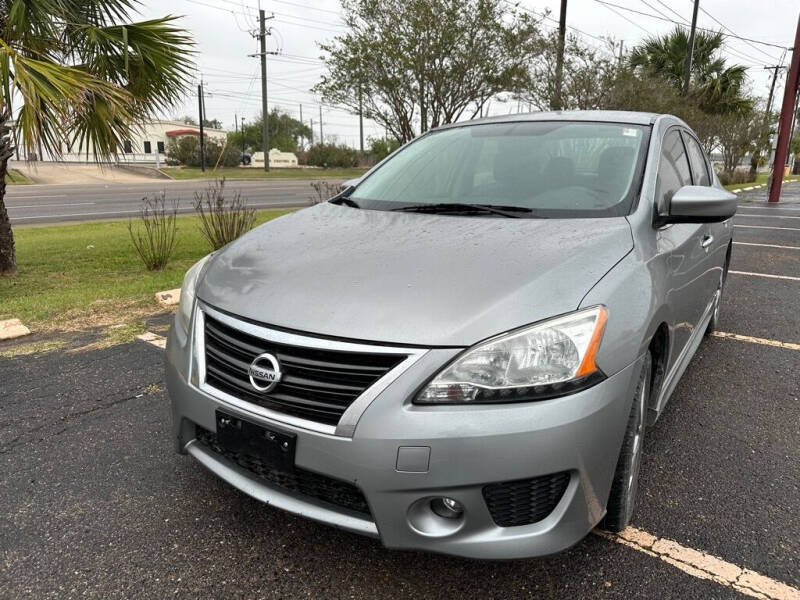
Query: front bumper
469,447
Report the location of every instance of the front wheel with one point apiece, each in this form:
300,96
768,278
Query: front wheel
622,500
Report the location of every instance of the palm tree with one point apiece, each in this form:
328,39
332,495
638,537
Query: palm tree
82,75
719,88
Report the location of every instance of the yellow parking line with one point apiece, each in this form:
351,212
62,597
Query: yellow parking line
755,340
766,245
154,339
704,566
789,277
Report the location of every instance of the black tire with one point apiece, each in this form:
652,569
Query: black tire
622,499
712,324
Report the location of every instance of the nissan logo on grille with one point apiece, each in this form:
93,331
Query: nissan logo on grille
264,372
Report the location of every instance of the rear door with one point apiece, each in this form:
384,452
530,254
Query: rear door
681,246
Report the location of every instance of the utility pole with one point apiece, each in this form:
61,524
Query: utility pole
556,104
687,72
621,52
262,38
321,139
774,69
242,130
360,111
200,106
787,116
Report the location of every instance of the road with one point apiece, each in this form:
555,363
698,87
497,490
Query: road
95,503
35,204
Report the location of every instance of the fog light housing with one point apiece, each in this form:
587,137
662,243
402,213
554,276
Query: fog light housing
447,508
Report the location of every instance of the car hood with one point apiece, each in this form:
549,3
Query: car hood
410,278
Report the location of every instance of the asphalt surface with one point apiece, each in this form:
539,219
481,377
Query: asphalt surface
38,204
96,503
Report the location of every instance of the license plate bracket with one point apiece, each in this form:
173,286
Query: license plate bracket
273,448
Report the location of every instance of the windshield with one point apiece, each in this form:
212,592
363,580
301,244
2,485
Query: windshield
535,169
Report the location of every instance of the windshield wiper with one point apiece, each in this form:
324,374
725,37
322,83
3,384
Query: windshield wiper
344,200
460,207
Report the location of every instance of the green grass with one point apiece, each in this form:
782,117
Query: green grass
77,276
254,173
14,177
760,178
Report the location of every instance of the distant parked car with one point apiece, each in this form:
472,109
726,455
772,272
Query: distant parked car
461,352
246,159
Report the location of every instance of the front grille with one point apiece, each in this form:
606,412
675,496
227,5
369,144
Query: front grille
317,384
525,501
299,481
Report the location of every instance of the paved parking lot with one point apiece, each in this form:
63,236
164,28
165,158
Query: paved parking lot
95,502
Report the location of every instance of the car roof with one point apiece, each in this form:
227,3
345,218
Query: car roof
607,116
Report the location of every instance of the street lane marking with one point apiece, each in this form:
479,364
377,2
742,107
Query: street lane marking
704,566
765,227
184,210
756,340
789,277
748,207
766,216
11,207
151,338
24,196
766,245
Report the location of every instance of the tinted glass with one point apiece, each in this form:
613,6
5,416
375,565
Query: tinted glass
673,170
556,168
697,161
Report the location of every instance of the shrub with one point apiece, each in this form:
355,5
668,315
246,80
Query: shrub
222,221
154,240
724,177
743,175
323,191
186,151
332,155
380,148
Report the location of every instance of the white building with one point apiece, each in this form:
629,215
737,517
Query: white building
148,144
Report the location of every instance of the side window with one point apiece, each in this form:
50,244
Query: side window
673,170
147,148
697,160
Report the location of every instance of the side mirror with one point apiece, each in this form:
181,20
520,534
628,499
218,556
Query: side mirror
701,204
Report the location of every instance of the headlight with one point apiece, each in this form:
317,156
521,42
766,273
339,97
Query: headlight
549,359
187,292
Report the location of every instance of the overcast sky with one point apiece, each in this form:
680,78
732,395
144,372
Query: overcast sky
222,30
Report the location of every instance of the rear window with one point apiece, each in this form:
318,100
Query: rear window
553,168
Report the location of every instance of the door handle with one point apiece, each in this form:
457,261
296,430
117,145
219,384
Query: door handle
707,241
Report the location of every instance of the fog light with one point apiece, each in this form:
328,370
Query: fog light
447,508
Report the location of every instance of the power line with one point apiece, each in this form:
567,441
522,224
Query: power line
621,16
644,14
721,24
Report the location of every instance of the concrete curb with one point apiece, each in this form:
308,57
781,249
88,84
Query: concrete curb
169,297
12,328
760,185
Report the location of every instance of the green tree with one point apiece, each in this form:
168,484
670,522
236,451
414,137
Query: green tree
588,74
84,75
285,133
380,148
719,88
417,64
